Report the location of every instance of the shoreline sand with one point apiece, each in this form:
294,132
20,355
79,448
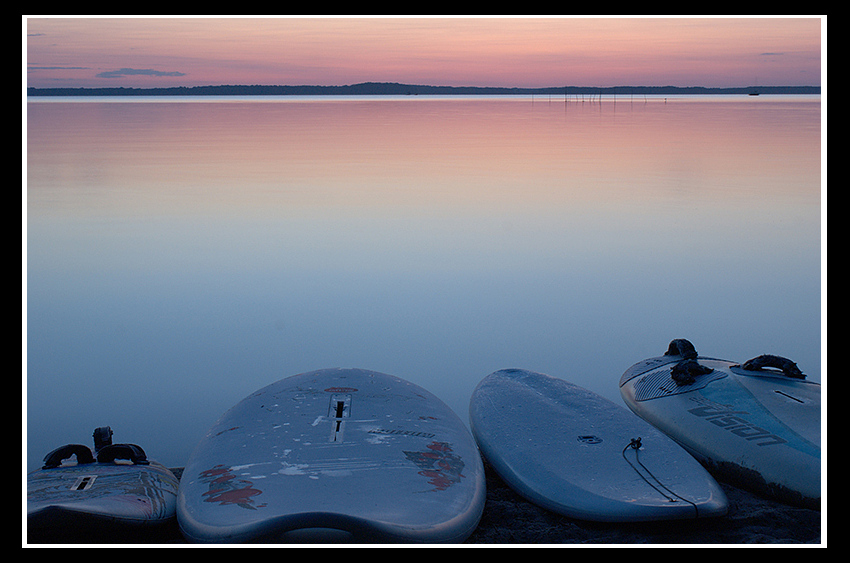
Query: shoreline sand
510,519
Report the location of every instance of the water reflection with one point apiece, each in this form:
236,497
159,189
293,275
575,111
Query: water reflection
182,255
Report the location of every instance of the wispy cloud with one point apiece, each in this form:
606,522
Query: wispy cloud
58,68
137,72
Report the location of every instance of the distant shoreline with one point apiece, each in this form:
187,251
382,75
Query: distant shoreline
396,89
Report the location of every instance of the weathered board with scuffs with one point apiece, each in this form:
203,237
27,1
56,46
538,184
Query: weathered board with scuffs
98,498
337,454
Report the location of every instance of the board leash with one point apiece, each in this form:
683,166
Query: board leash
635,444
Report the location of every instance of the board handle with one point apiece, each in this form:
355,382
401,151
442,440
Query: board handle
57,456
681,347
686,372
102,437
786,366
134,453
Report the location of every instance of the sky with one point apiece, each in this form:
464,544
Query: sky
449,51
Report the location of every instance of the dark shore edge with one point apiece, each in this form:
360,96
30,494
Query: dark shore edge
509,519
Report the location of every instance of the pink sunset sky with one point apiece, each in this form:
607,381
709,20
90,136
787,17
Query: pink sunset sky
450,51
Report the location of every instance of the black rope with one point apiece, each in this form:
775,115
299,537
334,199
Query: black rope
687,371
789,368
635,444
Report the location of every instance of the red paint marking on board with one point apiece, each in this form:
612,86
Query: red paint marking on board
442,467
225,488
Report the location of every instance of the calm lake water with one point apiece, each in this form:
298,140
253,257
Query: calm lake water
183,253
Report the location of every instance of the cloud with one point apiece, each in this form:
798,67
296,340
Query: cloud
57,68
769,54
137,72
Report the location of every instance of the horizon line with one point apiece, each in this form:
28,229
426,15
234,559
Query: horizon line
402,88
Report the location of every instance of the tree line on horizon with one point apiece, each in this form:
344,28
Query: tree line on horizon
394,88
